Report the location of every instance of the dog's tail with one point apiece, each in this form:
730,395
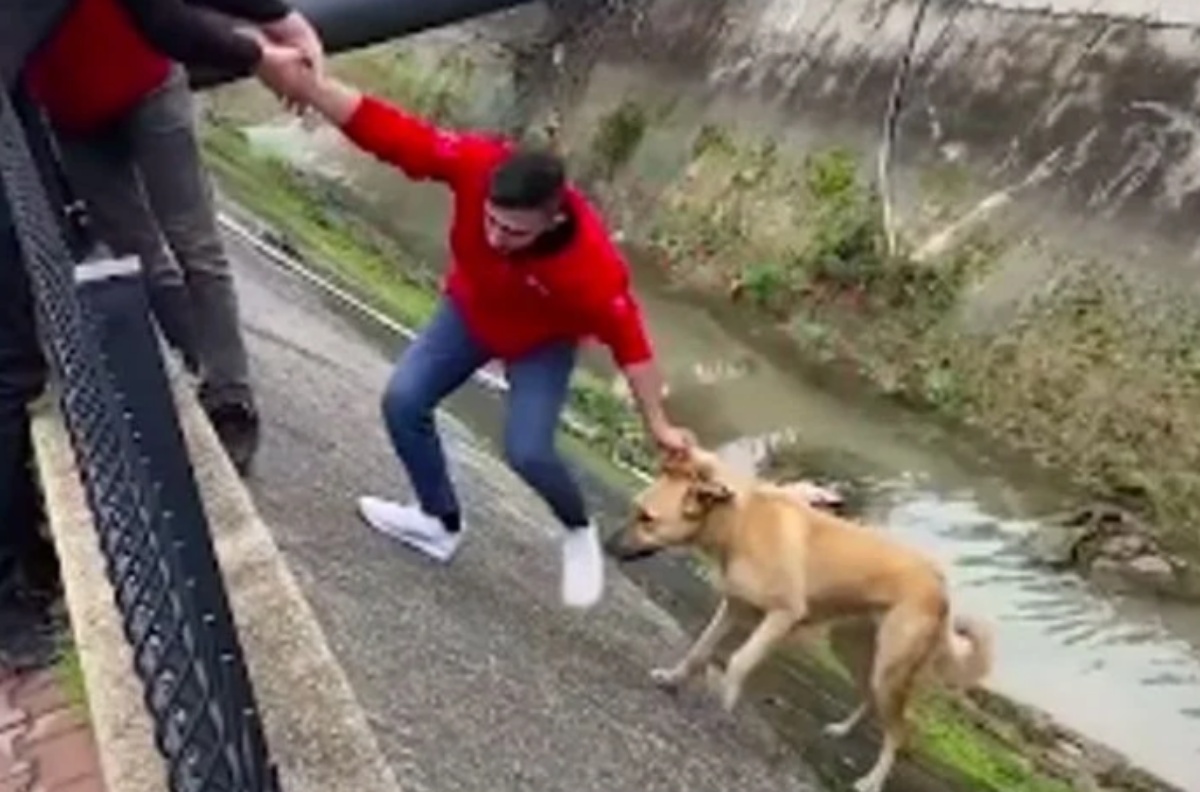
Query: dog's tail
967,653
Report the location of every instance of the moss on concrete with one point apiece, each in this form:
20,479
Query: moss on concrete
69,673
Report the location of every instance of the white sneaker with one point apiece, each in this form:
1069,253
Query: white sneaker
410,525
583,568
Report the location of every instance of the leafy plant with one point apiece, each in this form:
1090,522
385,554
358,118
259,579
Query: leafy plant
712,138
766,285
618,135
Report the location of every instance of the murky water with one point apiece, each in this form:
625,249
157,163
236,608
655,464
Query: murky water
1124,672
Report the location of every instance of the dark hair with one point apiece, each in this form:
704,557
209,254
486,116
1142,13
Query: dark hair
528,179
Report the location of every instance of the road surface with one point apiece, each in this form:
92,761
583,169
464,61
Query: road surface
472,675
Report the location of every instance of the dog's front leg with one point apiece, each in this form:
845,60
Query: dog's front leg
700,653
774,627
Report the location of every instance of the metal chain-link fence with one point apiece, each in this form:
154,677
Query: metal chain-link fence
116,399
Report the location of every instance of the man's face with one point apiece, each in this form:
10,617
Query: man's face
512,230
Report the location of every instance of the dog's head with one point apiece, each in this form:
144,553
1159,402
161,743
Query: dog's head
674,509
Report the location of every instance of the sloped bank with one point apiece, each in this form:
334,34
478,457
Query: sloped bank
960,745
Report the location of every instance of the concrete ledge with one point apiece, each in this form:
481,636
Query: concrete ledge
123,729
317,731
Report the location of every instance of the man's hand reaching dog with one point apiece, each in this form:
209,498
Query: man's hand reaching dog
673,440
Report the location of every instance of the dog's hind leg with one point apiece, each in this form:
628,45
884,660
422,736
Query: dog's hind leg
906,640
853,643
700,652
774,627
842,728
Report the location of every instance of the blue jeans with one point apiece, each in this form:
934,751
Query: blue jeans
440,360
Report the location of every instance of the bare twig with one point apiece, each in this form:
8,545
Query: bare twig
891,126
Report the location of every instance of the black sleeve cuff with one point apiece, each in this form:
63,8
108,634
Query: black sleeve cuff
260,12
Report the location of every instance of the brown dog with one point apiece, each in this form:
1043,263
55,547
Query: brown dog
799,567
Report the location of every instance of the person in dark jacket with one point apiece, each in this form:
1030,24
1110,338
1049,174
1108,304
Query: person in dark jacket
114,95
111,84
26,559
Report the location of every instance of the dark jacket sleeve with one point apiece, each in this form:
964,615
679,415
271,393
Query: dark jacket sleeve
201,37
257,11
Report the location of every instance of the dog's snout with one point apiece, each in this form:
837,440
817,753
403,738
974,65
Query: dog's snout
622,545
646,522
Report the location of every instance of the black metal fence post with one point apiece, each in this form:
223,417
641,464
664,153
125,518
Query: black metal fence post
151,526
113,292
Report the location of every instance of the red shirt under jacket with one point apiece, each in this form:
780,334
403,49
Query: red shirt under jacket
94,68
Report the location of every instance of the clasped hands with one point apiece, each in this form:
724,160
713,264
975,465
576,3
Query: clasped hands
293,58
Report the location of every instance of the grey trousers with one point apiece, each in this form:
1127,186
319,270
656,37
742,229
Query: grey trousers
144,185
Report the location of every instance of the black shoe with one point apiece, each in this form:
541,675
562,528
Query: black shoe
191,363
30,639
237,426
41,572
33,575
32,622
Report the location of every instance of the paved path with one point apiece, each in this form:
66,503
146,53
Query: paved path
45,744
473,675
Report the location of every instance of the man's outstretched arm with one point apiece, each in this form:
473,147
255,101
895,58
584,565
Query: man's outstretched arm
621,328
413,144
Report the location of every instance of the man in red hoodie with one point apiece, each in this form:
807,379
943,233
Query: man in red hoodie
123,115
533,273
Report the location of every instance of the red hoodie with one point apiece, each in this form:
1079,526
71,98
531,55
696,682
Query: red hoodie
94,68
511,307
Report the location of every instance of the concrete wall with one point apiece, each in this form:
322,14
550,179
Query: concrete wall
1089,109
1169,12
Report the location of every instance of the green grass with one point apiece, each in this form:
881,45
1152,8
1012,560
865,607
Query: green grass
597,462
69,672
316,221
312,219
945,733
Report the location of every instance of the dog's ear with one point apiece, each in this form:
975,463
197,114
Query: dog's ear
674,467
680,464
710,492
704,470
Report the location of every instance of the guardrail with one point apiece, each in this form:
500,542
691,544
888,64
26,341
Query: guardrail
118,407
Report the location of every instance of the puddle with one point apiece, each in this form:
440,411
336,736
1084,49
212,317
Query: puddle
1123,672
